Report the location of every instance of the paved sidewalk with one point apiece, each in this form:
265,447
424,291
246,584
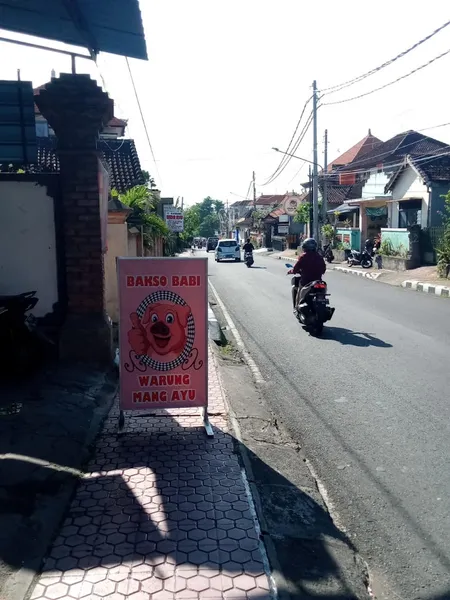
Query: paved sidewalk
162,513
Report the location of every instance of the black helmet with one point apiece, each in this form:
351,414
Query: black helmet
309,245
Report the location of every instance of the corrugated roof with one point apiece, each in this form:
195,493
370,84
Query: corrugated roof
113,26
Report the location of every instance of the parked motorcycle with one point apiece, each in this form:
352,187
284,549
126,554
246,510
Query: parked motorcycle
24,347
248,259
327,253
364,258
314,309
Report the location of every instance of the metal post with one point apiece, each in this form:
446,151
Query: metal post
315,170
310,200
254,199
74,70
325,180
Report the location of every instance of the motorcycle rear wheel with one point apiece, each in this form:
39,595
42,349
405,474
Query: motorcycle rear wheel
367,264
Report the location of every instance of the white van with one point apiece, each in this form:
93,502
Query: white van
228,250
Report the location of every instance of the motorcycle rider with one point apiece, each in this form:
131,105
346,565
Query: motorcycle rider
248,246
310,265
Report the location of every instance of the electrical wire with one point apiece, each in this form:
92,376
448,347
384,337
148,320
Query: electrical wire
143,120
381,154
418,158
284,158
382,87
433,127
350,82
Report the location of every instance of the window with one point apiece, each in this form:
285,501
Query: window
410,213
228,243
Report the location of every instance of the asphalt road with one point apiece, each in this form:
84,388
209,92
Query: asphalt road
369,402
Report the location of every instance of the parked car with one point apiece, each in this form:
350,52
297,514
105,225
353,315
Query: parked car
211,243
228,250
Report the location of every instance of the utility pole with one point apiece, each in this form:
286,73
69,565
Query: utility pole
310,200
254,198
315,231
325,180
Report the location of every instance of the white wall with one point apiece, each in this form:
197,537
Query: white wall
410,185
375,185
28,243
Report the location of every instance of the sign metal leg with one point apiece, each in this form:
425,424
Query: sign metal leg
121,421
206,423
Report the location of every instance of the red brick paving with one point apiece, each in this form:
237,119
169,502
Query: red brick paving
162,513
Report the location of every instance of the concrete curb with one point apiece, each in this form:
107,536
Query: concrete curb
214,330
373,276
427,288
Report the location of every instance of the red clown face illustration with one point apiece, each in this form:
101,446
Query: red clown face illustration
161,331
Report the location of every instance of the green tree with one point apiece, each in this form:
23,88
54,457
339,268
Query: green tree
202,219
443,248
191,222
143,203
209,226
302,213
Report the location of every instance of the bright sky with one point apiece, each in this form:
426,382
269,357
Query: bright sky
226,81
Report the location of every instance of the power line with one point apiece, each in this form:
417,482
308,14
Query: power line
418,158
143,120
434,127
425,137
283,159
391,82
350,82
300,138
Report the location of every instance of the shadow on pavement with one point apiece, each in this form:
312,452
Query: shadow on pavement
434,547
346,337
164,509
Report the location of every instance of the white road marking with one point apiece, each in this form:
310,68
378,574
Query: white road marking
239,342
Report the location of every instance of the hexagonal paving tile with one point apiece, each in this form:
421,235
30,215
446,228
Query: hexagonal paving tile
151,585
104,588
80,590
198,583
128,586
245,582
56,591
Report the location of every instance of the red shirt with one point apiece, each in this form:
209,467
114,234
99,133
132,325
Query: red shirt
311,266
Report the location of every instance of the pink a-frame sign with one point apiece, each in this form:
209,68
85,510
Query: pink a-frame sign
163,329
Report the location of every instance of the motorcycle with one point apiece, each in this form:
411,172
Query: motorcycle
327,253
248,259
314,309
364,258
26,347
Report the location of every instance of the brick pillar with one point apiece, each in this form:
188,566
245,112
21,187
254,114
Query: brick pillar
77,109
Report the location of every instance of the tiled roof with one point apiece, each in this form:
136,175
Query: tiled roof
240,203
363,147
269,200
430,169
391,152
120,156
437,169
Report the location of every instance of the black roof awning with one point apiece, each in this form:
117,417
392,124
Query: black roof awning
113,26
